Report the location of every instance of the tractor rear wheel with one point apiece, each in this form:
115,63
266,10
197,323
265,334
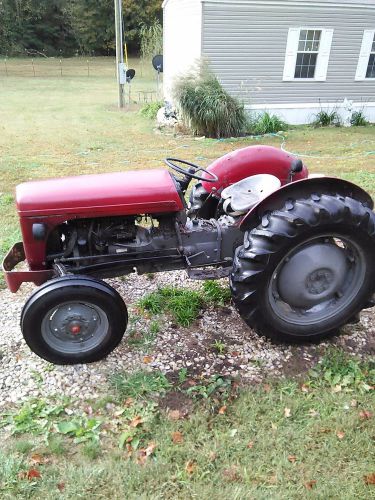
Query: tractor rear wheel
307,269
74,319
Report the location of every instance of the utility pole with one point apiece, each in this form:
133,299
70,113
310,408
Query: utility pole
119,53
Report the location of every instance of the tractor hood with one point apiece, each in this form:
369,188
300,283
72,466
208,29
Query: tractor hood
123,193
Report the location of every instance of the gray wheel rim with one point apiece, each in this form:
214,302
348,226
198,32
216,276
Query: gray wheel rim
75,327
317,280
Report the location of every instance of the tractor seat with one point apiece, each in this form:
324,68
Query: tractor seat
240,197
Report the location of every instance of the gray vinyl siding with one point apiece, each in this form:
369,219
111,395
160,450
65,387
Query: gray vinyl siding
246,43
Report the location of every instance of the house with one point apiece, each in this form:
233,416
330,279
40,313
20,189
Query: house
289,57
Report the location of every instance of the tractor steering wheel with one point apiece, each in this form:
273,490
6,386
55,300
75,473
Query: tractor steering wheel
192,171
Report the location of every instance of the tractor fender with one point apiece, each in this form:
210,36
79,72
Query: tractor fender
304,189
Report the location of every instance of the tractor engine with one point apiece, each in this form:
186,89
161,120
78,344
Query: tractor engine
145,243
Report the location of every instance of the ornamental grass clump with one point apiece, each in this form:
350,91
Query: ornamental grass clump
206,108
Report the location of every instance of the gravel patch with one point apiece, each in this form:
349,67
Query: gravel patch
246,355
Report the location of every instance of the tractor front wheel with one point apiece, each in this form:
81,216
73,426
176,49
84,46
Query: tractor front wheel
307,269
74,319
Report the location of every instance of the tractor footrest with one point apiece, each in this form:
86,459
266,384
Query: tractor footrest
209,274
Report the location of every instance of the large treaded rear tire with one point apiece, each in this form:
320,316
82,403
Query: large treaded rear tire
257,265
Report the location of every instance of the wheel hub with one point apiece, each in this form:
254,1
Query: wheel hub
312,275
74,322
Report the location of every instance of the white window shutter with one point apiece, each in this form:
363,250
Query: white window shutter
364,56
291,54
323,56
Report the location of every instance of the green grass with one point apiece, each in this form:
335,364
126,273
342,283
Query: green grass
270,441
182,304
140,384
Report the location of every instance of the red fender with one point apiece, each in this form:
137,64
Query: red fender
252,160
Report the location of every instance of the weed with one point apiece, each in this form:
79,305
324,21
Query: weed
338,369
140,384
265,124
358,119
23,446
56,445
184,305
35,417
215,384
92,450
327,119
81,429
219,346
151,109
154,328
6,199
182,375
215,293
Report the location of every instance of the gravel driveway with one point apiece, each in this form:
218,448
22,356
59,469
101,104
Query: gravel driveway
24,375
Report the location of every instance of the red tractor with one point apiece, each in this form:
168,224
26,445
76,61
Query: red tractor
298,250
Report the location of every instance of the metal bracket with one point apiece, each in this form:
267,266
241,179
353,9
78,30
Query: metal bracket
209,274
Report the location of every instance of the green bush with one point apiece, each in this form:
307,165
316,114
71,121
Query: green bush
265,124
206,108
327,119
358,119
151,109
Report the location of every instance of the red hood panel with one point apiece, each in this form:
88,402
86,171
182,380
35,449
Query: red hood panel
125,193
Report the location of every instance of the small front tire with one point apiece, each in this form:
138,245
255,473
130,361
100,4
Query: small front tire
74,319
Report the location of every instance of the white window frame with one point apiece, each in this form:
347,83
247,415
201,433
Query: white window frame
322,59
364,55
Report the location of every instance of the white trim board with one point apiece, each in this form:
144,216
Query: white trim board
302,113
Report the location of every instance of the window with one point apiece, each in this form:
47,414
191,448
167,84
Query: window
366,61
370,73
307,54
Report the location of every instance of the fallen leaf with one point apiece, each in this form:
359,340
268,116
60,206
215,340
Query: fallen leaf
250,445
365,415
287,412
137,421
175,415
325,430
292,459
177,437
305,388
354,403
147,360
61,486
222,410
340,434
267,387
309,485
33,474
369,479
337,388
129,402
190,466
274,427
144,453
212,456
37,459
235,354
231,474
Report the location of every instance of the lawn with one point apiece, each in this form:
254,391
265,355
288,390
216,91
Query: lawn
284,439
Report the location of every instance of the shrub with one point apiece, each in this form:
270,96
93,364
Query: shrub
327,119
358,119
206,108
265,124
151,109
